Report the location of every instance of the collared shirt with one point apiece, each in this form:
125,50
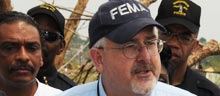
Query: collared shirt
91,89
45,90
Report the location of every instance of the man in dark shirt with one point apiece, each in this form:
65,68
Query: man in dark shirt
51,23
182,19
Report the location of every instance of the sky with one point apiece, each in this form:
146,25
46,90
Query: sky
210,15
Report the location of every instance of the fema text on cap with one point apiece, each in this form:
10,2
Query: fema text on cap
126,9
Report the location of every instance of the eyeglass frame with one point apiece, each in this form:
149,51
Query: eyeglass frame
159,47
173,34
43,32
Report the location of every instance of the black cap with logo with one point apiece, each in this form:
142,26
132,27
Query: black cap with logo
51,11
183,12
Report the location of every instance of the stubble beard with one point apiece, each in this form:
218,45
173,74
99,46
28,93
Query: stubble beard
143,89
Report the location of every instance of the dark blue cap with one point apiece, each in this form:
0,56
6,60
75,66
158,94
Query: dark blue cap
120,21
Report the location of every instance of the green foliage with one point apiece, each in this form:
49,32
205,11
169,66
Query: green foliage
211,61
203,40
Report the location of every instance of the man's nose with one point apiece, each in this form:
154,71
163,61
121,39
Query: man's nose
143,54
22,54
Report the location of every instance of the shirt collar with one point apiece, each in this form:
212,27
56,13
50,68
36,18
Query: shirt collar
101,88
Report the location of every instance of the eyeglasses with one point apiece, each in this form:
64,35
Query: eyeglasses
132,49
50,36
184,38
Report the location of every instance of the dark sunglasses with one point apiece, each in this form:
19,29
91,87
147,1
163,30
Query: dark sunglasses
50,36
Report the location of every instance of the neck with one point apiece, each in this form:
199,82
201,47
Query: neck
47,71
47,75
22,90
179,74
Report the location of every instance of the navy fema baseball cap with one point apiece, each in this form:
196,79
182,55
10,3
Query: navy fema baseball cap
51,11
120,21
184,12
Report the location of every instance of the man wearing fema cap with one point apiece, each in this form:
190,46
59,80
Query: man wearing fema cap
124,48
51,23
181,18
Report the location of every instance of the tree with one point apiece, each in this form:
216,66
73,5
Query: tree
70,28
5,5
210,48
147,2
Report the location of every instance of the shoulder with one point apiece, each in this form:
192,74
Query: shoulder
43,90
203,83
65,79
88,89
163,89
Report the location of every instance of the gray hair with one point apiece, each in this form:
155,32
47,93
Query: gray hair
100,43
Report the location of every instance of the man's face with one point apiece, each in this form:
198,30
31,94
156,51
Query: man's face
136,75
52,45
181,41
20,53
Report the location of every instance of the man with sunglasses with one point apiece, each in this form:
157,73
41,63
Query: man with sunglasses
124,47
51,23
182,21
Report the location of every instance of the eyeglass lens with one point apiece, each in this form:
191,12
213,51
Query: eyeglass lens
133,49
184,38
51,36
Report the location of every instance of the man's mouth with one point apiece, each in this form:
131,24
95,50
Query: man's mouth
175,56
143,72
138,71
22,69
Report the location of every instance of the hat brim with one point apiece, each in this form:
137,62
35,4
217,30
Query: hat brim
37,11
127,31
173,20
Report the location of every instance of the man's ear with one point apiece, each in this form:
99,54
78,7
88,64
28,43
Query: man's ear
195,46
96,56
62,45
